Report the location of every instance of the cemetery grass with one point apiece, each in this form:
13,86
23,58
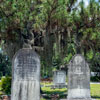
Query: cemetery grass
95,91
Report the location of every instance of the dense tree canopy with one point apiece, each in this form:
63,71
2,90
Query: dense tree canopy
56,29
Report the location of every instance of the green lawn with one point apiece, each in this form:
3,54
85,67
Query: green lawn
95,91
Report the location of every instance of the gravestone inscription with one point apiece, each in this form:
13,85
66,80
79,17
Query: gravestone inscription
59,77
78,79
26,75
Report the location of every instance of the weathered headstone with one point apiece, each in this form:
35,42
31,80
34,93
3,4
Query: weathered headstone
59,78
26,75
78,79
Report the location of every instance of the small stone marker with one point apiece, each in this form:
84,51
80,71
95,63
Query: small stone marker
59,78
78,79
26,75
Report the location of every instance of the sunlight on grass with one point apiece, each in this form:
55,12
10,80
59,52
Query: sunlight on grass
95,91
48,89
46,83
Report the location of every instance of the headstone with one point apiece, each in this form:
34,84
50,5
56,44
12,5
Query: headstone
26,75
59,77
78,79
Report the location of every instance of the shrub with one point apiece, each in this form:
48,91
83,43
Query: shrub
95,79
5,85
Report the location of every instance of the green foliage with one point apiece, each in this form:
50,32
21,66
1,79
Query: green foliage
5,65
56,62
95,79
77,27
67,58
95,64
90,54
5,85
14,16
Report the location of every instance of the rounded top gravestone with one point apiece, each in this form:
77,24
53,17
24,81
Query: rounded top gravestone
78,78
26,64
26,75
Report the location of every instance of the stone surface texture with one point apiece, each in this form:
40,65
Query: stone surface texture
78,79
59,77
26,75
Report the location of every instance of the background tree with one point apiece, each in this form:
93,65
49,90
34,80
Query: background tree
56,29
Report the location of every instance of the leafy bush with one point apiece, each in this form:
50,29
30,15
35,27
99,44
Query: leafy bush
5,85
95,79
5,65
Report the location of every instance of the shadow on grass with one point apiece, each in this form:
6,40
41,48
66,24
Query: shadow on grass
53,94
96,97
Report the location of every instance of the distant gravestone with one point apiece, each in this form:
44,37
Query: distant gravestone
78,79
26,76
59,77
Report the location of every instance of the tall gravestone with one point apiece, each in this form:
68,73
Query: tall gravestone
59,77
78,79
26,76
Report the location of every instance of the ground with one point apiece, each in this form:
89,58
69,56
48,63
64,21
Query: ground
95,91
61,93
56,94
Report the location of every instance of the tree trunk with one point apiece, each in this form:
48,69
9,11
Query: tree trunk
77,44
48,47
